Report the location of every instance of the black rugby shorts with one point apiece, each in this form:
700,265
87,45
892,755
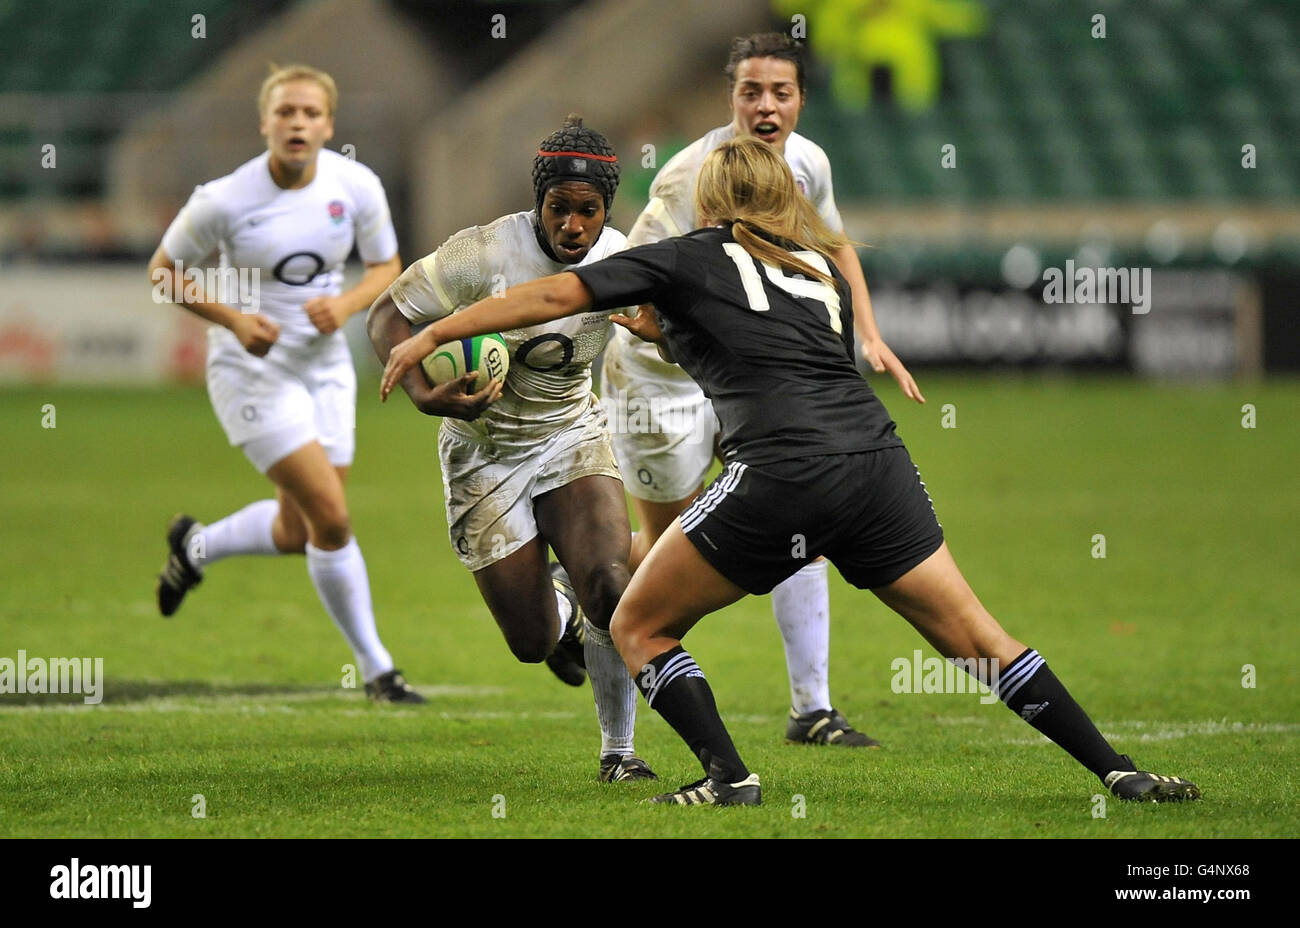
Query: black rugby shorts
868,513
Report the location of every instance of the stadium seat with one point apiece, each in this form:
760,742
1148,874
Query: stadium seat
1040,109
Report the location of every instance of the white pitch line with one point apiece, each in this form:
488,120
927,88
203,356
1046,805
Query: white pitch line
238,702
1145,732
457,716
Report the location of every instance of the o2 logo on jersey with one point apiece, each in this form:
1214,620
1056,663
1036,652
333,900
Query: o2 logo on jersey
336,211
543,353
298,269
803,188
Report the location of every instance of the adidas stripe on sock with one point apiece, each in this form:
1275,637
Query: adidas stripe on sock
1031,690
674,686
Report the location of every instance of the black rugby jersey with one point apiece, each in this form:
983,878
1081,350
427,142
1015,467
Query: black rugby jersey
772,350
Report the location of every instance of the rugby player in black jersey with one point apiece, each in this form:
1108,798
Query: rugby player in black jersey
751,307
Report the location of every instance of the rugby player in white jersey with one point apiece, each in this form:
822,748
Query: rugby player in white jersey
527,463
753,308
666,456
279,373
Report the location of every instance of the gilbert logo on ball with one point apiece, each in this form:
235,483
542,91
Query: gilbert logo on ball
486,354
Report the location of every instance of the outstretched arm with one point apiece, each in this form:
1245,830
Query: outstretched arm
527,304
879,355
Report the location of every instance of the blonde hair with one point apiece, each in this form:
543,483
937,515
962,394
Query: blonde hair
746,183
297,72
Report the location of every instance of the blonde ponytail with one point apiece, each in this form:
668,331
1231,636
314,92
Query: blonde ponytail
746,183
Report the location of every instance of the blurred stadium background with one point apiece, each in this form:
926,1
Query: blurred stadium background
1168,143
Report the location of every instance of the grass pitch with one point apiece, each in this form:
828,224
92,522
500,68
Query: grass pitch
238,699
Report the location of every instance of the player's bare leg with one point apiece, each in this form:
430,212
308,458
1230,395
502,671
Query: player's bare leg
307,477
308,515
536,615
648,626
288,525
801,607
518,592
936,599
653,520
586,524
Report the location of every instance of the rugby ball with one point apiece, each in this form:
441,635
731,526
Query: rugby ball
486,354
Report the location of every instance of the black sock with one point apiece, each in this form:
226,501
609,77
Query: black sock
1031,690
674,686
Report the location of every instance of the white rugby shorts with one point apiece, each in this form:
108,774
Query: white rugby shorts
663,426
489,490
270,407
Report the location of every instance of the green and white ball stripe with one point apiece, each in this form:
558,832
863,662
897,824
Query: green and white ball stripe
486,354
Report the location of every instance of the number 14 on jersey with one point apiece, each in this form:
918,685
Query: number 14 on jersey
795,286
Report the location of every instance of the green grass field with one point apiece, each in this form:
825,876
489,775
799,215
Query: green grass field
238,699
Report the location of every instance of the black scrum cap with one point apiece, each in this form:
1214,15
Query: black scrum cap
575,153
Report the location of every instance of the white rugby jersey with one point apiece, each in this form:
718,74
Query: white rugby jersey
549,382
671,210
297,240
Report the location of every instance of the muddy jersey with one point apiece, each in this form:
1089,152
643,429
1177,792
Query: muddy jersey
548,386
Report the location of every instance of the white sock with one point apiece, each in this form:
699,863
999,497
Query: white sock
802,607
247,531
344,588
566,612
615,692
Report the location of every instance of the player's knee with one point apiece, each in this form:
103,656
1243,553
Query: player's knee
332,526
529,647
618,629
626,633
289,535
602,589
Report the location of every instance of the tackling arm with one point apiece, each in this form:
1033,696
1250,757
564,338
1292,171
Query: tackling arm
387,327
521,306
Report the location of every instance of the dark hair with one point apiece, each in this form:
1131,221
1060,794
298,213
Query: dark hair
765,45
575,153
